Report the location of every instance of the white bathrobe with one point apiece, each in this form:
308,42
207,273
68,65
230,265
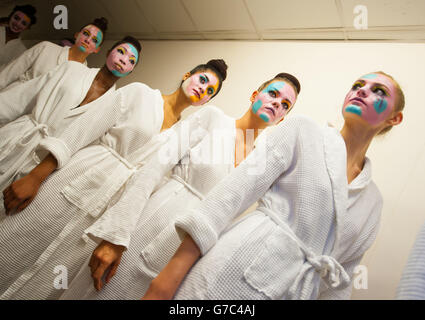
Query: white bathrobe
49,232
412,282
309,224
154,240
34,62
11,50
42,107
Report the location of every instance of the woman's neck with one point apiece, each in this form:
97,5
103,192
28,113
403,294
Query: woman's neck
357,141
105,79
11,35
174,104
76,54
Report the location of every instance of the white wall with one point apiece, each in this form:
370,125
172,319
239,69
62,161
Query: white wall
326,71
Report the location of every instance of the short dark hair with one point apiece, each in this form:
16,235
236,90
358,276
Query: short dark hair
131,40
218,66
287,77
101,23
28,9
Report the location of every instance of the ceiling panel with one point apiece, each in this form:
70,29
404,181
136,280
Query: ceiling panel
387,12
288,14
125,19
167,16
305,34
219,15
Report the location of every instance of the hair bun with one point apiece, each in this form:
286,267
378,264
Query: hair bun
101,23
220,66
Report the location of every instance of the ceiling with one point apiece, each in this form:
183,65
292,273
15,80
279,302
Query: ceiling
234,19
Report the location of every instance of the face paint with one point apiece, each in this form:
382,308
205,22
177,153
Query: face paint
19,22
200,87
89,39
122,59
274,102
372,97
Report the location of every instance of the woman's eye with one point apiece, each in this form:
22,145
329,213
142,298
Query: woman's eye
285,106
210,91
202,79
356,86
120,51
95,40
85,33
379,92
272,94
24,23
132,61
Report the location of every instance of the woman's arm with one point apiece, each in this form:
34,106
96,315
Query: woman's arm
165,285
21,192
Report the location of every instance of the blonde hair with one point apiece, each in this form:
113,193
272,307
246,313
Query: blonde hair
399,102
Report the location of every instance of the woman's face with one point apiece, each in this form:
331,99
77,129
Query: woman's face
273,102
19,22
89,39
122,59
372,98
200,87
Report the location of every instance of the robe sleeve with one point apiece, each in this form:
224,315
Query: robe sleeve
22,98
102,115
244,186
12,71
161,154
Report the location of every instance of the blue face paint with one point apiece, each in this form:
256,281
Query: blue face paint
257,105
275,86
99,37
134,51
264,117
354,109
380,105
82,48
370,76
118,74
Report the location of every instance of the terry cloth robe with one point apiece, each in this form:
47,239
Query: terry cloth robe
49,232
412,283
310,225
11,50
45,106
34,62
154,239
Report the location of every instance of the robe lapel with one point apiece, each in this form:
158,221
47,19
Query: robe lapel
336,164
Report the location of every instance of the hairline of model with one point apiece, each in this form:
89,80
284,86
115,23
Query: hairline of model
138,113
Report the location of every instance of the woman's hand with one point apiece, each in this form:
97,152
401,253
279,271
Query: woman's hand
20,193
105,260
159,291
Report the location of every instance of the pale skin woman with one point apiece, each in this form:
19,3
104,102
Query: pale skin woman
121,60
19,21
269,105
372,106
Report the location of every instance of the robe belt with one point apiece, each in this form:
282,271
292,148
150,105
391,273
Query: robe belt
41,127
329,269
188,186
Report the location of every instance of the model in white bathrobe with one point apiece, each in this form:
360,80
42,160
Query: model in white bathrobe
39,108
34,62
412,282
48,232
10,50
310,224
154,239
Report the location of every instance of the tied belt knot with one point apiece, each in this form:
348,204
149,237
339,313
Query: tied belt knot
40,127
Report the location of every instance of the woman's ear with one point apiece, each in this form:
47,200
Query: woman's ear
253,96
396,119
186,76
76,35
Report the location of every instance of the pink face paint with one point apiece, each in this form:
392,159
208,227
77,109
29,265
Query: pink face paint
200,87
19,22
274,101
372,97
89,39
122,59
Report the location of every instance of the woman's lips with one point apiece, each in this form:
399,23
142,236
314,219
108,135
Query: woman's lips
271,110
118,67
357,101
196,93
